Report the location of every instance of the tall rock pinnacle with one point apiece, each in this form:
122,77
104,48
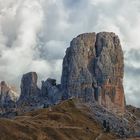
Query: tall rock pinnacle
30,92
93,69
29,85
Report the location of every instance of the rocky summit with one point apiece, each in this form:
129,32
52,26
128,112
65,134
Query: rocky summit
93,69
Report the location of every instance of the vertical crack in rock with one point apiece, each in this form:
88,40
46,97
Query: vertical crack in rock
93,69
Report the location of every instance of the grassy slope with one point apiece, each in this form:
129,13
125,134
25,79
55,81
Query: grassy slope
64,122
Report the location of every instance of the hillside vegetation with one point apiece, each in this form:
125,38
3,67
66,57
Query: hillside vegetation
62,122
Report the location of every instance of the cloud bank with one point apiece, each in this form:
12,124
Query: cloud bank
35,34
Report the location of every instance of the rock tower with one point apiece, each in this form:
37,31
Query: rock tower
93,70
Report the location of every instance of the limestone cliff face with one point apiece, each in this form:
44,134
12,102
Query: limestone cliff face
93,70
33,98
29,86
51,91
8,97
30,93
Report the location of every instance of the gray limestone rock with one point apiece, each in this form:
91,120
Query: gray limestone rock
8,98
29,86
93,70
33,98
30,93
52,91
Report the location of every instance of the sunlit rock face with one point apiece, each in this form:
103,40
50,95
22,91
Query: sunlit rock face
8,97
93,70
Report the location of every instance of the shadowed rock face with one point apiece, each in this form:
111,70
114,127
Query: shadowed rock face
52,91
93,69
30,93
33,98
29,85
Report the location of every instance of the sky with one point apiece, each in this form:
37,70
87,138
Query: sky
34,35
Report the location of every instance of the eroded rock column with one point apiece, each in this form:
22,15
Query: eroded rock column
93,69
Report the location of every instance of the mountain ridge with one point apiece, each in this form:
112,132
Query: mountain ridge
92,78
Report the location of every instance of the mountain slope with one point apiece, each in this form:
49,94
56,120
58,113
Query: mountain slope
65,121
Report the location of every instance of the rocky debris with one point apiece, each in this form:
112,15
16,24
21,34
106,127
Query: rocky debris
93,70
51,91
8,98
127,125
133,110
115,122
133,115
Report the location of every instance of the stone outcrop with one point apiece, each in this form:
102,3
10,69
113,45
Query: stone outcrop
93,69
29,86
51,91
33,98
8,97
30,93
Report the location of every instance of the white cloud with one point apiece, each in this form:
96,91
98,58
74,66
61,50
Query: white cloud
96,2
